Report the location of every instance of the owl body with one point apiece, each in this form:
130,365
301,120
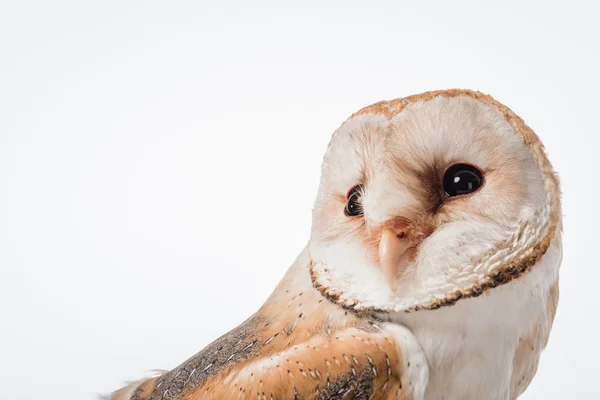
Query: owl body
431,271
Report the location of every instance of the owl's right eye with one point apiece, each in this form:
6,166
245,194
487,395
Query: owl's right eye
354,206
461,179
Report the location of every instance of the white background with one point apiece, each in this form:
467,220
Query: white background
159,160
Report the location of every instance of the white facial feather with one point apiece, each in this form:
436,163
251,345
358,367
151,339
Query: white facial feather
472,237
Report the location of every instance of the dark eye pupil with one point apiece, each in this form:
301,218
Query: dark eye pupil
461,179
354,206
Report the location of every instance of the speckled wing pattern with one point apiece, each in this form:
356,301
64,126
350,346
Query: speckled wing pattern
297,346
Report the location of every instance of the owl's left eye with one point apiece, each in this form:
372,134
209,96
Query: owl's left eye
354,206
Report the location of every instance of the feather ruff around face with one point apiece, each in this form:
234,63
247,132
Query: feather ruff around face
511,251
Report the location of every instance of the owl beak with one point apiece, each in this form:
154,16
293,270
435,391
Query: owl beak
393,256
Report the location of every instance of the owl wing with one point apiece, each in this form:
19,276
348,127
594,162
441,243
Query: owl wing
384,363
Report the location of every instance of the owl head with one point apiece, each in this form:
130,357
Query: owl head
430,199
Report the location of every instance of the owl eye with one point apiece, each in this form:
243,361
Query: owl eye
461,179
354,205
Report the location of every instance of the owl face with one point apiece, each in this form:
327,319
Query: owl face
424,201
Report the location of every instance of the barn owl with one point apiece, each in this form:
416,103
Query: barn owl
431,271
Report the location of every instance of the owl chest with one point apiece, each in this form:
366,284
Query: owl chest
468,364
476,349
